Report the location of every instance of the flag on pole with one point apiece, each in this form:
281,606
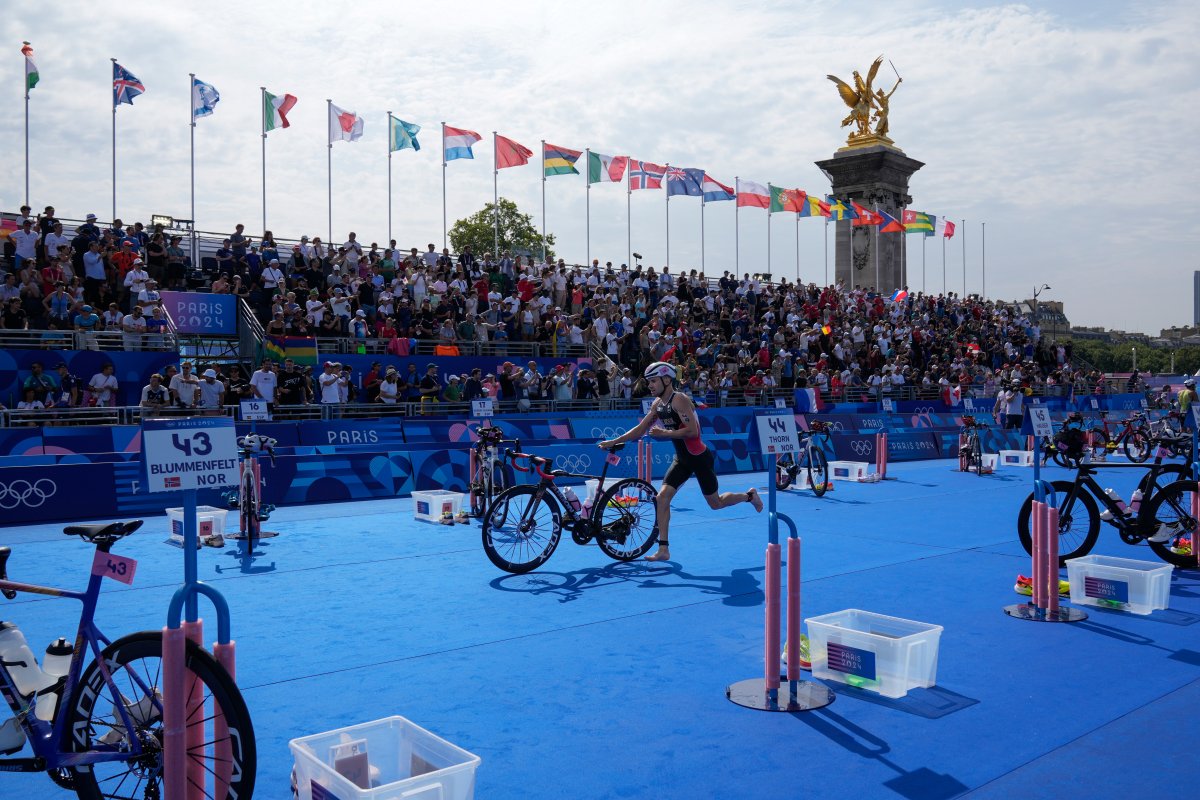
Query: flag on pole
204,98
31,73
603,168
916,222
947,228
344,126
786,199
838,210
752,194
685,181
715,191
932,225
814,206
899,296
864,216
560,160
510,153
888,223
276,109
125,85
644,175
458,142
403,134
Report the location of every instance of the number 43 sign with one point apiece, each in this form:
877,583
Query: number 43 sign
191,453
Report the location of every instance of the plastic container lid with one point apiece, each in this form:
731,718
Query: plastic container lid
60,647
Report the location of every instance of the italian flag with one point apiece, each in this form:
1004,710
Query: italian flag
31,72
275,109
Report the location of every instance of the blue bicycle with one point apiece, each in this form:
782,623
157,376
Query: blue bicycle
105,740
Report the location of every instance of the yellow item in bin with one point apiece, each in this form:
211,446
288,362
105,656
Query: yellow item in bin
805,661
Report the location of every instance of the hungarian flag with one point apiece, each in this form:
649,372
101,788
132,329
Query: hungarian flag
916,222
786,200
510,153
344,126
751,194
889,223
275,110
602,168
31,73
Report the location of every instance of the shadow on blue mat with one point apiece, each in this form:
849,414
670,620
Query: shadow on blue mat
932,703
739,587
1184,655
918,784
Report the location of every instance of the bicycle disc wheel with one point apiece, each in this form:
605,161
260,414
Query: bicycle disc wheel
629,509
95,723
1078,522
977,454
1172,508
818,471
1137,446
783,472
521,529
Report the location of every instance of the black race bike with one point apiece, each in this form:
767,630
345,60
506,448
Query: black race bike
811,461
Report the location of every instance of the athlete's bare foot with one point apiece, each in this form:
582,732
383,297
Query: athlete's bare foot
662,554
755,500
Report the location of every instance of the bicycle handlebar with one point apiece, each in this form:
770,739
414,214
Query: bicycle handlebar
536,463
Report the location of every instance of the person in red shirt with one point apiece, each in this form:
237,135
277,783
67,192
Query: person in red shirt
482,287
123,260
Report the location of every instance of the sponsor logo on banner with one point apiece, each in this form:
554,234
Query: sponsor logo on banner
862,447
26,493
195,312
573,462
1103,589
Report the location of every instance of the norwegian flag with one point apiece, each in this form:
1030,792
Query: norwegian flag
171,482
125,85
644,175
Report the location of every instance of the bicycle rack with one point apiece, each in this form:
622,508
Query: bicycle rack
180,780
763,694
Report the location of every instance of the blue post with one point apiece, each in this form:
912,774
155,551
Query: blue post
1038,493
1195,442
772,517
190,543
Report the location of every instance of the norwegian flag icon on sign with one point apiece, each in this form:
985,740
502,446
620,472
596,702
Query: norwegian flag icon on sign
172,482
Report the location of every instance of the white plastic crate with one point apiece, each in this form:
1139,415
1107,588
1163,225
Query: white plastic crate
1138,587
847,470
429,506
210,521
393,757
990,460
1016,458
882,654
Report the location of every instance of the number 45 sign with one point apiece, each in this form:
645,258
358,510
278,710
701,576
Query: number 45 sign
191,453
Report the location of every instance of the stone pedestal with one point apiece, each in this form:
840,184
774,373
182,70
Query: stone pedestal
876,178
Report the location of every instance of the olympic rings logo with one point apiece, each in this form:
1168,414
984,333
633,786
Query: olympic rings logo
862,447
573,463
22,492
923,411
835,426
608,433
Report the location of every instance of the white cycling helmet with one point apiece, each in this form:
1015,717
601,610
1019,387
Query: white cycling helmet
659,369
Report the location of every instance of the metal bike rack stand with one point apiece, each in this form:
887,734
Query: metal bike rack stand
770,692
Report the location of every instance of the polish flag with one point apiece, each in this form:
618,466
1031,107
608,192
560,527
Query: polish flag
753,195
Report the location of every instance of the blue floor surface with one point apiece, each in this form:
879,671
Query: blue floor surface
589,679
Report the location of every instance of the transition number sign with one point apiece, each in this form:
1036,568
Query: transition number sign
189,453
777,433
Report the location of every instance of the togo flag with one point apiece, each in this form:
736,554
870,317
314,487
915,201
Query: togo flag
275,110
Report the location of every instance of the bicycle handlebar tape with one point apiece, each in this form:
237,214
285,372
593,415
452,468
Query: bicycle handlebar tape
194,737
226,657
793,608
771,599
174,722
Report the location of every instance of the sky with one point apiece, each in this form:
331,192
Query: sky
1063,130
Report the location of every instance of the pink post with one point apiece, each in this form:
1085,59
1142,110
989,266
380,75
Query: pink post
174,744
1051,533
195,735
771,598
793,609
1037,519
1196,532
1029,443
962,461
226,657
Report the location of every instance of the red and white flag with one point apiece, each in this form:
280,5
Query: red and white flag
753,195
344,126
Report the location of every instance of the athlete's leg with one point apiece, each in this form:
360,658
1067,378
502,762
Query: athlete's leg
663,503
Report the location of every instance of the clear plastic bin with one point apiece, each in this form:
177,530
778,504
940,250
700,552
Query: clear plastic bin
882,654
1016,458
402,760
210,521
1138,587
847,470
429,506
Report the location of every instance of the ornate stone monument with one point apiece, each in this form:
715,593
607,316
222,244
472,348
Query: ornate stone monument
873,172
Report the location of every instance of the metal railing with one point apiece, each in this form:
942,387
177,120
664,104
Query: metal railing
428,347
79,340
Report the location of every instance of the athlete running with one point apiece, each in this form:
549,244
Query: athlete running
672,416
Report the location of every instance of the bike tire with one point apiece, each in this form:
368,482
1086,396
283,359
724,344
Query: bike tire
783,472
250,507
1152,483
91,706
639,520
818,471
977,454
509,546
1173,505
1074,541
481,492
1137,447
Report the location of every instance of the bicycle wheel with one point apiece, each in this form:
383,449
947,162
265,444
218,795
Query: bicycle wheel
1137,446
1161,477
250,504
1172,508
628,509
481,492
818,471
783,472
1099,441
1078,522
94,722
521,529
977,454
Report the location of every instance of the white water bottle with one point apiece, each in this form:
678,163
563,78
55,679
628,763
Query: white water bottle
20,662
12,738
1135,502
572,498
56,664
1116,498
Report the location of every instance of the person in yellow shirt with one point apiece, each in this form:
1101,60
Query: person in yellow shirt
1185,398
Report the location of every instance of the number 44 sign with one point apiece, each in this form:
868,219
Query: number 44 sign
190,453
777,433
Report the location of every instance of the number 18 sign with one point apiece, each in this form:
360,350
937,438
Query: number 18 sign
189,453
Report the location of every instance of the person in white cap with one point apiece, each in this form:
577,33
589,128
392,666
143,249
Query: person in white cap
135,281
212,392
328,381
272,276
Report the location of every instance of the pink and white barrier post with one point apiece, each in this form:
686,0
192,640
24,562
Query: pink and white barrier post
771,600
1044,606
645,460
881,454
793,609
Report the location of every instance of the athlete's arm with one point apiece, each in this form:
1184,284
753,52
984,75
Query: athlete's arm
637,431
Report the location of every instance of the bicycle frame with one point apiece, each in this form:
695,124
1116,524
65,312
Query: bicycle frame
807,446
1084,480
546,482
44,737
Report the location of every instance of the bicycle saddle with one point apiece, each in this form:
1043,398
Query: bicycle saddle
103,531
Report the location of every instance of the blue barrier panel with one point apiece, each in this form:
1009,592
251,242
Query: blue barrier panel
287,434
596,427
515,427
132,370
37,493
20,441
377,431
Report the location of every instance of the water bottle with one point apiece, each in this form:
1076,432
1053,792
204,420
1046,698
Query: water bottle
12,738
56,664
572,499
20,662
1135,502
1116,498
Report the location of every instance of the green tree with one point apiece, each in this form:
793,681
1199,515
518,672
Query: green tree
518,234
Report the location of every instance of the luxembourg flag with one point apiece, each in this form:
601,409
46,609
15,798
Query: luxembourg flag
457,142
900,296
714,190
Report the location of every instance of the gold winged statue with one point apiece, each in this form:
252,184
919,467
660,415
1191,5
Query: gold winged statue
866,106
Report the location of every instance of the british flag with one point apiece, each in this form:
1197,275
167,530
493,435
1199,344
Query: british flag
644,175
126,86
